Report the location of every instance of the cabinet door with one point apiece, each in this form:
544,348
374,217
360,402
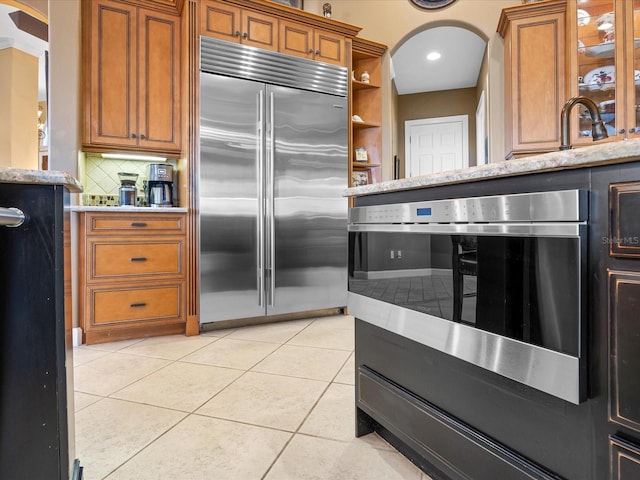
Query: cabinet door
220,21
535,46
111,118
259,30
329,47
159,81
625,459
296,39
624,301
598,71
632,73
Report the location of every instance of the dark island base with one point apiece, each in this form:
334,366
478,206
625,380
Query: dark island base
440,444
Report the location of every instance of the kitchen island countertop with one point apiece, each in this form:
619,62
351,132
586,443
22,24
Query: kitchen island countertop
41,177
599,154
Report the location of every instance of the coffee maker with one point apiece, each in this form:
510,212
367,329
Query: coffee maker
160,185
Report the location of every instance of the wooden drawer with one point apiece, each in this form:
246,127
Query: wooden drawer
133,304
140,223
127,257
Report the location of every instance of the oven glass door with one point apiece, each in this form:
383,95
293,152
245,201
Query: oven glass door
526,288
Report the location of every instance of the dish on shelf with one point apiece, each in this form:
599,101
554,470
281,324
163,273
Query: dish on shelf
605,49
356,118
583,17
602,78
581,47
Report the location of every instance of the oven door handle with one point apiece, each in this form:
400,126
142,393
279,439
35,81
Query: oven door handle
555,229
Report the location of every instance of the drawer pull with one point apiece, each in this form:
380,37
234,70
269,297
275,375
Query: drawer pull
138,259
141,304
138,224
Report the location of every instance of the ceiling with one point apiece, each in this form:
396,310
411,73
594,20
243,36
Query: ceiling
459,66
11,36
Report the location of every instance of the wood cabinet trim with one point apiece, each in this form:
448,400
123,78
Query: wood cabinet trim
528,10
619,450
168,6
617,278
617,238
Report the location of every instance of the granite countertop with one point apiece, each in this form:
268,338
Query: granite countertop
40,177
600,154
88,208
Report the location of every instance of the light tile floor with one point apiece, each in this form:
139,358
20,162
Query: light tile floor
273,402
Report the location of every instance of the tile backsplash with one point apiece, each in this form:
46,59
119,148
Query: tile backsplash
101,181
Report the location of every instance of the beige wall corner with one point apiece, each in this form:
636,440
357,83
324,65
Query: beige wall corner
19,107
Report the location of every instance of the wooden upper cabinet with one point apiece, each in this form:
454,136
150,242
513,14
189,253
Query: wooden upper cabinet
112,60
296,39
159,81
316,44
232,23
535,76
133,92
272,27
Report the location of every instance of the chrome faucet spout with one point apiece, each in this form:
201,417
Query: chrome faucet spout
598,130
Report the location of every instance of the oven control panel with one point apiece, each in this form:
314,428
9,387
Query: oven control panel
556,206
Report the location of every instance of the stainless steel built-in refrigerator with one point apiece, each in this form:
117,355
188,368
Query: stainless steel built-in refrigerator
273,166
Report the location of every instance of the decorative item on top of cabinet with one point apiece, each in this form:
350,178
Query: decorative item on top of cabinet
534,75
132,68
366,109
132,275
604,64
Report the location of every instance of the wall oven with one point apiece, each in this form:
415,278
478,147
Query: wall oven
496,281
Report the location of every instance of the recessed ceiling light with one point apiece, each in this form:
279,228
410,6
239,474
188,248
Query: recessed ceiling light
433,56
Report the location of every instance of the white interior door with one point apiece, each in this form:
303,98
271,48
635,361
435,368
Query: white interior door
436,145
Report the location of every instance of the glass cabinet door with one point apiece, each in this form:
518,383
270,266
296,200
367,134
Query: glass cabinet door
633,52
597,64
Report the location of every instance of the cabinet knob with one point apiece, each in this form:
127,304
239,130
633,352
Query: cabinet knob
142,136
238,33
245,35
621,131
632,130
317,52
133,135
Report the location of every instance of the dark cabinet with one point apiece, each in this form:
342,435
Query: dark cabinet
625,460
36,371
624,294
624,231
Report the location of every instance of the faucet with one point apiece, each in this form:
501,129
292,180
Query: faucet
598,130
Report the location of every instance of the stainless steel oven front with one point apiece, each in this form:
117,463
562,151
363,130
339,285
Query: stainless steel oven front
497,281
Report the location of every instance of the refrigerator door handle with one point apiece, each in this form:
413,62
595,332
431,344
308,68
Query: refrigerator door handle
260,218
272,213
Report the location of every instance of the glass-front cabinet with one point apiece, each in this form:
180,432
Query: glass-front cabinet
606,67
